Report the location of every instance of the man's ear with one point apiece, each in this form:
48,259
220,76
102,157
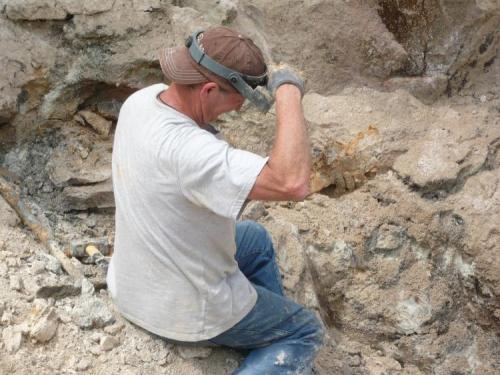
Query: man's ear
208,87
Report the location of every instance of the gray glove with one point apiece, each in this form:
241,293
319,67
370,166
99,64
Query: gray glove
281,75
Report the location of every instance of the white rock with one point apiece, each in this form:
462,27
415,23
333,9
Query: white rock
108,342
12,339
46,327
87,288
4,269
16,283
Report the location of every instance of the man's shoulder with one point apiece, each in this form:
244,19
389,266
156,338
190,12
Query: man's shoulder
147,92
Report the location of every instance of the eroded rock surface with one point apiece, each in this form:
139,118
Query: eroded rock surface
397,249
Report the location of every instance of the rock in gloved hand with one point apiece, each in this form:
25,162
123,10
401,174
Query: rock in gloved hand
281,74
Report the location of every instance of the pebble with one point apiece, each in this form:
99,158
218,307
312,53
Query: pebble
12,262
37,267
191,352
108,342
96,337
12,339
83,365
16,283
87,288
114,329
52,264
2,307
6,318
3,270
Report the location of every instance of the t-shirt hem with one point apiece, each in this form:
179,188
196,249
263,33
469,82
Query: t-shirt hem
194,337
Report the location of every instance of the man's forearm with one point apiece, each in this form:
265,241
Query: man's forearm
290,157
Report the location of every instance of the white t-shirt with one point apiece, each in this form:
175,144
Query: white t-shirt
178,192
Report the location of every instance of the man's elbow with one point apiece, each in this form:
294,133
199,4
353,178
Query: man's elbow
298,191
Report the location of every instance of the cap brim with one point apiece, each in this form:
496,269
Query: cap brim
178,66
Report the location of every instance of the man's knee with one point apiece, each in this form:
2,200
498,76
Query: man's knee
314,330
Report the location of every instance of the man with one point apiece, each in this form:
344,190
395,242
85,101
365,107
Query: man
183,268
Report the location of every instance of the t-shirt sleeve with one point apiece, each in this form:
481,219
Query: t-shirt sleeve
214,175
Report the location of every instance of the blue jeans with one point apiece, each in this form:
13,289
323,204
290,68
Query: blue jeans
282,336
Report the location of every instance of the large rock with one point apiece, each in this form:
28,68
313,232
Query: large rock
33,10
7,215
26,62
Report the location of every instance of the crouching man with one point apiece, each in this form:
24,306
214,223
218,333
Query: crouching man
183,268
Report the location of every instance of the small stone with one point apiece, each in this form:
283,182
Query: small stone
389,237
12,262
12,339
255,211
108,342
191,352
37,267
83,365
45,329
4,270
87,288
96,337
231,362
16,283
483,98
52,264
95,350
2,307
114,329
145,356
7,318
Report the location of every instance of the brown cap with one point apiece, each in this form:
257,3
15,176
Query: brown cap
224,45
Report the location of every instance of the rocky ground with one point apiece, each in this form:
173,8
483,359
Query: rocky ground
397,249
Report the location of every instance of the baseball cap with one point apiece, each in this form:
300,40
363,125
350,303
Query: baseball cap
226,46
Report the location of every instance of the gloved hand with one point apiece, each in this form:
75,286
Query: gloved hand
281,74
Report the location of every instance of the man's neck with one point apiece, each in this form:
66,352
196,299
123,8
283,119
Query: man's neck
183,100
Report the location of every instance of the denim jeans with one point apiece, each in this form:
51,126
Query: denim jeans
282,336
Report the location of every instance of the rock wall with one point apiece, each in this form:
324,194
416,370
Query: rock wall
397,249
